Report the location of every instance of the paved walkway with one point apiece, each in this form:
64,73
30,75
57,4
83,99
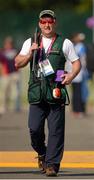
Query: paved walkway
18,160
71,159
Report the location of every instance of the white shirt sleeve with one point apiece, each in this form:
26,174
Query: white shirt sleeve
26,46
69,51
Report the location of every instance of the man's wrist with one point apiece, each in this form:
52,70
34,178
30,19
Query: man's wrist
73,75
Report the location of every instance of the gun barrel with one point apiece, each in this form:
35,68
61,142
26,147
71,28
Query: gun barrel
34,53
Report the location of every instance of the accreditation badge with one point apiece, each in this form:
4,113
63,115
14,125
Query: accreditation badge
46,67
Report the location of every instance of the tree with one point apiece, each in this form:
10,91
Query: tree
37,4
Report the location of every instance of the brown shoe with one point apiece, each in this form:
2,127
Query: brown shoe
50,171
41,163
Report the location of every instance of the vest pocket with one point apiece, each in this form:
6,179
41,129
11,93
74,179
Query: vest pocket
49,93
51,99
34,93
63,95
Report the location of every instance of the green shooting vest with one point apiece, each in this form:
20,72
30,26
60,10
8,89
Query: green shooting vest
43,89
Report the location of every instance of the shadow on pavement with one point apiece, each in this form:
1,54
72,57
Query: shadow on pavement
60,175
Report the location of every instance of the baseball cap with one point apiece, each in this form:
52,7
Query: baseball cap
47,12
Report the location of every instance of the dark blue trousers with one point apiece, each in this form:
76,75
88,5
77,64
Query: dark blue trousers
55,115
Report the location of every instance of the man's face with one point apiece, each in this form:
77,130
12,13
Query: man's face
47,26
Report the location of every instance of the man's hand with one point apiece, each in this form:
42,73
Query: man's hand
67,78
33,47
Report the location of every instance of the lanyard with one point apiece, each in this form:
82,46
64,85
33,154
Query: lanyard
49,49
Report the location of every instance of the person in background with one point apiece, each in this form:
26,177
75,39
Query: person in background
3,82
12,93
80,84
86,74
46,92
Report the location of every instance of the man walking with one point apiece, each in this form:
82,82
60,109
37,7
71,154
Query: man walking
46,92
